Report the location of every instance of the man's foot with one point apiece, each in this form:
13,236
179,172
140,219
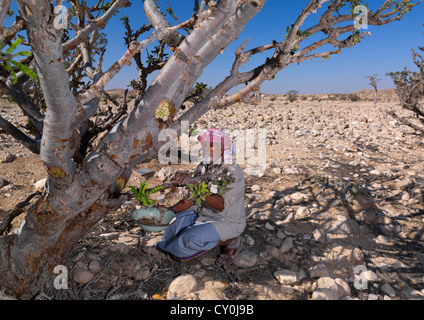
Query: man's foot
231,249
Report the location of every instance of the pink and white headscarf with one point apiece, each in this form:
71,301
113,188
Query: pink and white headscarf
217,136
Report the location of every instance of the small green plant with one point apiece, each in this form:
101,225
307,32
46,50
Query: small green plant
199,192
201,87
142,194
6,61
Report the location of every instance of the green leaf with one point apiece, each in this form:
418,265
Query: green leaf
14,45
25,69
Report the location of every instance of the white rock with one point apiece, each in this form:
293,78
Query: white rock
7,158
287,289
325,294
199,273
276,170
166,173
298,196
372,296
348,226
287,245
319,270
246,259
256,188
382,239
343,286
369,275
39,185
94,266
405,196
141,274
182,285
286,276
319,235
269,227
387,289
326,283
82,275
302,213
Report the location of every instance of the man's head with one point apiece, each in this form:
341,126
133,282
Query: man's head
217,147
212,152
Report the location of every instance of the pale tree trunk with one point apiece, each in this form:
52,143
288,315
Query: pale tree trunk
78,195
68,207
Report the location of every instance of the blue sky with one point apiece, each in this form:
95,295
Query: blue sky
388,49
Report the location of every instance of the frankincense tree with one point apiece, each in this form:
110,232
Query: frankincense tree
59,86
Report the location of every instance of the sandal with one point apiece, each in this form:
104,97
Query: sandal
231,251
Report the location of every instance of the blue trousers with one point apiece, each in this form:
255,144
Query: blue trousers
185,239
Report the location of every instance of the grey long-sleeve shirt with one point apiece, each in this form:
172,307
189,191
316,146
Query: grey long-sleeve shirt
230,222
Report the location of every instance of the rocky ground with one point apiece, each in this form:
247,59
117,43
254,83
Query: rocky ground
337,214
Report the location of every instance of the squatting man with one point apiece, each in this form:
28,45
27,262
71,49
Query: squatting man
220,219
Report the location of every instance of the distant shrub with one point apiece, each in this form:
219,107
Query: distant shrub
353,97
292,95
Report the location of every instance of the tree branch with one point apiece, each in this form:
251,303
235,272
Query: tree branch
27,142
93,25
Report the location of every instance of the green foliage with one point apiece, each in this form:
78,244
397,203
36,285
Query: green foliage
142,194
406,6
353,97
200,87
153,57
105,7
199,192
6,61
292,95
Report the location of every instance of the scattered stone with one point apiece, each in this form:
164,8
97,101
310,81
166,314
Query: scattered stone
166,173
298,196
246,259
39,185
82,275
256,188
94,266
182,285
319,235
199,273
302,213
120,247
325,294
344,289
269,227
348,226
287,245
7,158
387,289
141,274
286,276
382,239
319,270
287,289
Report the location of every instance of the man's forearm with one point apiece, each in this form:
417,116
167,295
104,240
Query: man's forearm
216,201
182,205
